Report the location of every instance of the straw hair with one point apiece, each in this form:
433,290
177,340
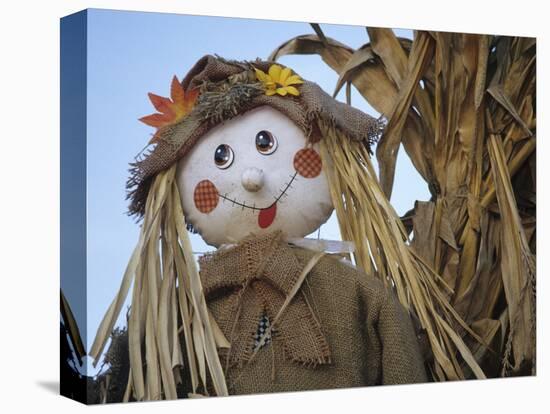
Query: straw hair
367,218
168,311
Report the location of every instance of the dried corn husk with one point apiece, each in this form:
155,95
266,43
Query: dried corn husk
72,328
463,108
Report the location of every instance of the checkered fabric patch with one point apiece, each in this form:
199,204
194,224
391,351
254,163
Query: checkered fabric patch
206,196
263,326
308,163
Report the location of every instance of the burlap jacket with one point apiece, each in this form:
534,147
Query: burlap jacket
342,329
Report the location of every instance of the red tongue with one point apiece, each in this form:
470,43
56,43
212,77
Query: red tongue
266,216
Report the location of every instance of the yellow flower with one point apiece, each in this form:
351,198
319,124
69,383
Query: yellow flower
279,81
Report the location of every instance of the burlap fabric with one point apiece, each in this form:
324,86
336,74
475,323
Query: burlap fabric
343,329
227,89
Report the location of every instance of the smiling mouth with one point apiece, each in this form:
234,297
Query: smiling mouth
267,214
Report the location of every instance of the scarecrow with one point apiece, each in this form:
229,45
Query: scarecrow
248,154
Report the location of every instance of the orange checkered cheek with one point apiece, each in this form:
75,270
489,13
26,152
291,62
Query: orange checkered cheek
308,163
206,196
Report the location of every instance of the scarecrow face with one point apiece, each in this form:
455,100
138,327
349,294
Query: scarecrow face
253,174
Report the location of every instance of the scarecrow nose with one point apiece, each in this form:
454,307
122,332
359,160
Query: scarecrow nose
252,179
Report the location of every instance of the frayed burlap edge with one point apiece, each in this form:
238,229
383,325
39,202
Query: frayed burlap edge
256,275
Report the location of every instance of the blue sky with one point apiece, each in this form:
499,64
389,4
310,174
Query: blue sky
132,53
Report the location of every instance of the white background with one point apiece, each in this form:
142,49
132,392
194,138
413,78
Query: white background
29,205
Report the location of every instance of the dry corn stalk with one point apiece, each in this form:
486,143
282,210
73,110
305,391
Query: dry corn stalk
463,108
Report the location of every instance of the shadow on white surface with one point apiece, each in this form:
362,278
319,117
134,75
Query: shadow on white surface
51,386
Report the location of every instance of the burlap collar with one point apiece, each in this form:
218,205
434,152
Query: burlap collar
256,275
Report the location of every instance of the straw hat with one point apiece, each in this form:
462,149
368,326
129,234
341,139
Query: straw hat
216,90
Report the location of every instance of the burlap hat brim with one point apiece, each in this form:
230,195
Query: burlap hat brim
227,89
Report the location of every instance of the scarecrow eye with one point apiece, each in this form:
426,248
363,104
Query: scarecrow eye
223,156
266,143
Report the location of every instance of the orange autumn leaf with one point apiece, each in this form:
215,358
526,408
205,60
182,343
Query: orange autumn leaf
170,110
